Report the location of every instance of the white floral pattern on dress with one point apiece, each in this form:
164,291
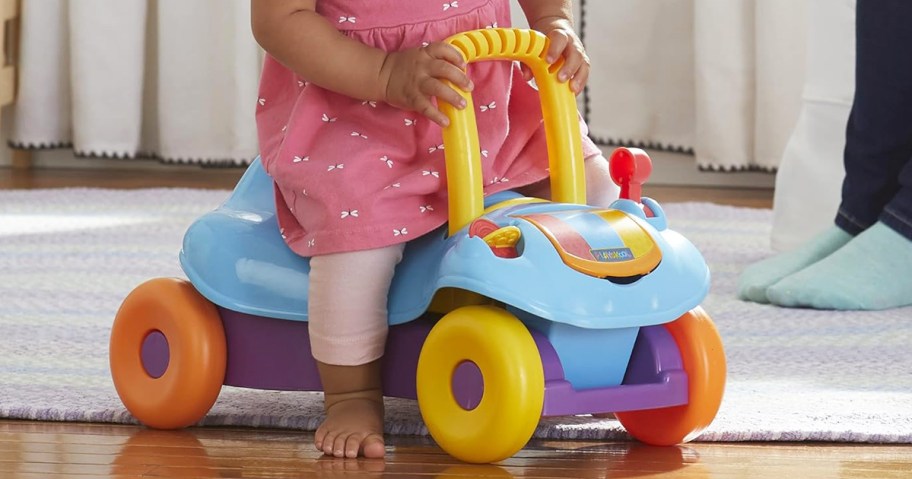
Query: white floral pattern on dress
330,204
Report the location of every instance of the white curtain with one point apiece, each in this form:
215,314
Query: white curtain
722,78
177,79
809,182
170,79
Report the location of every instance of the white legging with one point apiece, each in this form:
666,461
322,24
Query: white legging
348,291
346,306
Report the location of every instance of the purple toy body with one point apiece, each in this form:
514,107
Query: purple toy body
274,354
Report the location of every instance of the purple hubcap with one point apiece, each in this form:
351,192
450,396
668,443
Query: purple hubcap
468,385
155,354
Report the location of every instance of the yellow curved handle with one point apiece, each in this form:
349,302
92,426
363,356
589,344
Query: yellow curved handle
562,131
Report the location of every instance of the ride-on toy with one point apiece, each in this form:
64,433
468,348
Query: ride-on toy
549,308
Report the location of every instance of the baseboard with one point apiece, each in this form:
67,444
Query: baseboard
680,169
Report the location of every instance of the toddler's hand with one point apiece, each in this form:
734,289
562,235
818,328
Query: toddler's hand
564,43
415,75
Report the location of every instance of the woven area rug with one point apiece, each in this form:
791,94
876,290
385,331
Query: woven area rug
68,257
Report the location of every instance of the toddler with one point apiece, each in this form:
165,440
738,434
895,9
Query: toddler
350,132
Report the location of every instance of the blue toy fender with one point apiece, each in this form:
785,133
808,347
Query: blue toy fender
237,259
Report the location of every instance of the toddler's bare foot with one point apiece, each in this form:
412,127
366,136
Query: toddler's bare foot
353,427
353,398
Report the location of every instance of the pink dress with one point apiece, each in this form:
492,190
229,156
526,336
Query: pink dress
353,175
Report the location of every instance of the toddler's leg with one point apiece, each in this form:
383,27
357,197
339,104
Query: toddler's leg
600,188
348,325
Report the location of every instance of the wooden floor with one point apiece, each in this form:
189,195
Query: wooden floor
58,450
52,450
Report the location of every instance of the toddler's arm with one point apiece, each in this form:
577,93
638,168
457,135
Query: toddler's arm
554,18
305,42
295,35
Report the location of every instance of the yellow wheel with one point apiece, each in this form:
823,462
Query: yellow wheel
168,353
493,345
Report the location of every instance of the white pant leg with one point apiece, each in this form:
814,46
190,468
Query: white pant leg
346,308
601,190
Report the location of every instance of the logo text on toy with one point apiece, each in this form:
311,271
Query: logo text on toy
612,255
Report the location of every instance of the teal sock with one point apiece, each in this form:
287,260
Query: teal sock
871,272
760,276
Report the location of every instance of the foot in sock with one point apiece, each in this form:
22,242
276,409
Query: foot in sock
759,276
870,272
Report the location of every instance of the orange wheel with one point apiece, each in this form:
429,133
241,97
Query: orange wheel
167,353
704,361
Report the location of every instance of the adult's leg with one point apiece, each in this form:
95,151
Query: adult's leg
872,270
757,278
878,147
898,212
879,131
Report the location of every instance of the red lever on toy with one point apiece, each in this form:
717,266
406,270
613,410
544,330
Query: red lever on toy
630,168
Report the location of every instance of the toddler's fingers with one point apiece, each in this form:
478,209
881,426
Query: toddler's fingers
580,79
446,52
573,61
526,71
432,87
448,71
559,41
426,108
